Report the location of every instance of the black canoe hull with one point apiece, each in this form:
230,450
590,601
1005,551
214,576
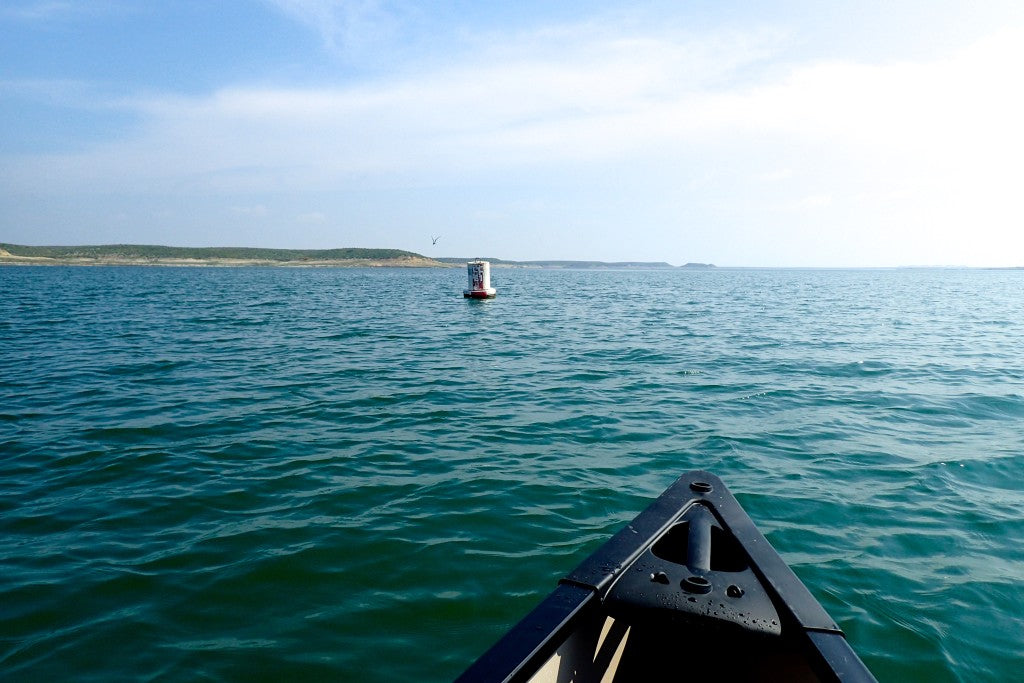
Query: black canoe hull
690,589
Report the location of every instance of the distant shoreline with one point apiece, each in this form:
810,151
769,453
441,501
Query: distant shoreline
146,255
242,257
221,263
582,265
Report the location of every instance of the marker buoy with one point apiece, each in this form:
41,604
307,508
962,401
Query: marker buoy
479,273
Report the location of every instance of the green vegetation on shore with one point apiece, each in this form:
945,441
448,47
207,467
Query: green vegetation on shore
136,252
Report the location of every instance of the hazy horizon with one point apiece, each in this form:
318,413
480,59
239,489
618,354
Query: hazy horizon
498,258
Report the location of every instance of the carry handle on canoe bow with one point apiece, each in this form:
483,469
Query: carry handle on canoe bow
698,546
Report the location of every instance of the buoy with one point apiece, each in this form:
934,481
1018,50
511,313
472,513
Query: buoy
479,273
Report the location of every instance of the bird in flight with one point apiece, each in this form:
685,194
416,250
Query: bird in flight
433,240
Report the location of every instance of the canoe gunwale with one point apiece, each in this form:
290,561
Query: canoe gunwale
528,644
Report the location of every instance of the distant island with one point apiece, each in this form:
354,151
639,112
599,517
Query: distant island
150,255
578,265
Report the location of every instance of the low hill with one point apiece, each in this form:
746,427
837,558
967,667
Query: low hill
135,254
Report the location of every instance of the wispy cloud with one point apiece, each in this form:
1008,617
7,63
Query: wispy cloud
598,97
346,27
36,11
254,211
66,93
312,217
596,100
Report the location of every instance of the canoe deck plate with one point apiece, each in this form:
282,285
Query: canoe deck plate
694,573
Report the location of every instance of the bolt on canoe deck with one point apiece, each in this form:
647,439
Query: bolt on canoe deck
690,589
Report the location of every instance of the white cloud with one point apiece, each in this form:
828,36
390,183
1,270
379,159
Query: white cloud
344,26
312,217
256,211
594,99
36,11
49,11
814,202
617,98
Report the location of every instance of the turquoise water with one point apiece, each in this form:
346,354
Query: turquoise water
246,474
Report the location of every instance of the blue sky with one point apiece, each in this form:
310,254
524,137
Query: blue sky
742,134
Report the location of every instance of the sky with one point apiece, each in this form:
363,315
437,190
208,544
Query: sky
777,133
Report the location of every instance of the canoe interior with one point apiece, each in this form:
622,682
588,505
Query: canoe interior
606,651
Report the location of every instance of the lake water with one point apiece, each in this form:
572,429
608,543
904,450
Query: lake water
356,474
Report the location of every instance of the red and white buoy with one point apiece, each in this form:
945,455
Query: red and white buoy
479,273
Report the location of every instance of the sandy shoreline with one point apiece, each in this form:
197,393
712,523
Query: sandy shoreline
9,259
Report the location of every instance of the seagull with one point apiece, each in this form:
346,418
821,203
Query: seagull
433,240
